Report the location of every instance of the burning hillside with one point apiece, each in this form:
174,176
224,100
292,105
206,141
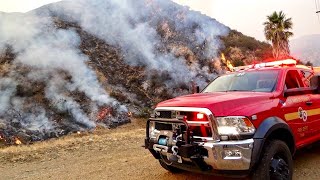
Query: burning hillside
70,66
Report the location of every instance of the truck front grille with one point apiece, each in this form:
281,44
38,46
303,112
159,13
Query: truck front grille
163,126
165,114
199,129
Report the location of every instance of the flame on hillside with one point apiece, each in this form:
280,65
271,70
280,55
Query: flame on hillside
17,141
105,112
228,63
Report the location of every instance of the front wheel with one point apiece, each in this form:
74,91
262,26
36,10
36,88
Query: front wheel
276,162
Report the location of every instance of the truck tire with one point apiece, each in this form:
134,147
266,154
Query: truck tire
169,168
276,162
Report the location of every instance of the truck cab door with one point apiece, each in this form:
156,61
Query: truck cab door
314,111
295,108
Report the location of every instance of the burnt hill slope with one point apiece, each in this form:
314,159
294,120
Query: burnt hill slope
69,67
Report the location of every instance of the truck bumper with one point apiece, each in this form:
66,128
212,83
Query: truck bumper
211,158
229,155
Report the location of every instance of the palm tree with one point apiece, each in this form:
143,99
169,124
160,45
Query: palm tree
277,30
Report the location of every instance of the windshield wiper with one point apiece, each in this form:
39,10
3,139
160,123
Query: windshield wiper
234,90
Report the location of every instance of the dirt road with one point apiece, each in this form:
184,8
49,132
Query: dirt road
109,154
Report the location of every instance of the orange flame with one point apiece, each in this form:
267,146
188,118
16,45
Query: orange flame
104,113
227,62
17,141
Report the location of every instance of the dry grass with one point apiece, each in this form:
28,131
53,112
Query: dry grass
53,147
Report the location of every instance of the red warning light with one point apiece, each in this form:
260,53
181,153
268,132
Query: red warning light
200,116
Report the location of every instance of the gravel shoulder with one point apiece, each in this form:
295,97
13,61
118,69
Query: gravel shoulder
110,154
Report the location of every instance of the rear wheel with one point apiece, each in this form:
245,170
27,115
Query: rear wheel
276,162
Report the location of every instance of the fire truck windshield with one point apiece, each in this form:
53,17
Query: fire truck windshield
256,81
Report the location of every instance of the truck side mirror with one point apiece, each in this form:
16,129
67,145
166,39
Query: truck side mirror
315,83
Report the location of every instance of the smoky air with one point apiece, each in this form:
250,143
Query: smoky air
49,80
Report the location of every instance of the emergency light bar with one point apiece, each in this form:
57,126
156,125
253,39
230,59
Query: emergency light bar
276,63
286,62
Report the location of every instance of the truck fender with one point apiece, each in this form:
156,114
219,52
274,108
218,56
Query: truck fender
266,130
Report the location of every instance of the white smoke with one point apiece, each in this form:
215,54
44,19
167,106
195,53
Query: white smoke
131,25
48,51
59,50
7,89
55,93
37,121
53,55
306,48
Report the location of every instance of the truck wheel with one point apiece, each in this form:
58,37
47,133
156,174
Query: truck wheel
168,167
276,162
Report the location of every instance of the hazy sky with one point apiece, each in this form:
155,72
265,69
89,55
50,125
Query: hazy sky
22,5
247,16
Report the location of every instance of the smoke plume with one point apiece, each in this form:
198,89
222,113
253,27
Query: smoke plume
49,85
131,25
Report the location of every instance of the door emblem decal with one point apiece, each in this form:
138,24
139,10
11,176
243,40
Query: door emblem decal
302,114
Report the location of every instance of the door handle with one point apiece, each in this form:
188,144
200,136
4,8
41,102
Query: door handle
308,103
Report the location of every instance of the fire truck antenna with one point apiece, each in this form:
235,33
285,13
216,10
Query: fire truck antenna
317,9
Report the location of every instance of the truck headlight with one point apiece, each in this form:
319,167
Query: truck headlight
234,125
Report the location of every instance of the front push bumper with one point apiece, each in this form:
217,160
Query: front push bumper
229,155
209,156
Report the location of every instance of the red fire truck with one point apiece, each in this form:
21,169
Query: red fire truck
246,123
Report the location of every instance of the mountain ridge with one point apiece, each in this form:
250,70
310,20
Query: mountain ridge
307,48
